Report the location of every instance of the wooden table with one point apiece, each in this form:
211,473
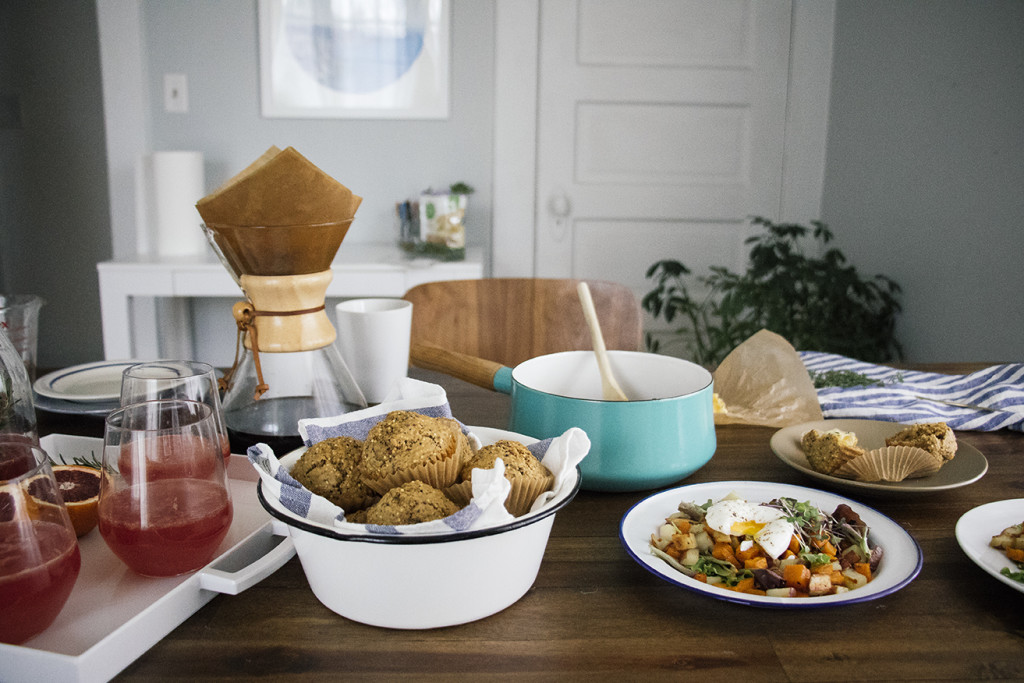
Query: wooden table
593,612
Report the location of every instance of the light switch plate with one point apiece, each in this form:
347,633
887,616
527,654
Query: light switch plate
176,93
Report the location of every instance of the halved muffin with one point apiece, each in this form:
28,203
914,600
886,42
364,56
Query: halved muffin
829,450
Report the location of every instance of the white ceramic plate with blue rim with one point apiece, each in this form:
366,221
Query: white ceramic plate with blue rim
89,383
975,529
901,560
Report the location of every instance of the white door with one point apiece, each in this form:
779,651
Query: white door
660,130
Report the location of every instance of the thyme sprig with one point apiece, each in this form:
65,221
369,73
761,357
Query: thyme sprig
848,378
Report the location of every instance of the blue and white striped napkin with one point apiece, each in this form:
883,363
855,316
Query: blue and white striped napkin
561,455
903,395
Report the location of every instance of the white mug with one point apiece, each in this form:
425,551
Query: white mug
373,338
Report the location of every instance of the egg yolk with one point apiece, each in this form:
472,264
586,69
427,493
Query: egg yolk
746,528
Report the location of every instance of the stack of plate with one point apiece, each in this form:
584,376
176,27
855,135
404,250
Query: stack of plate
90,389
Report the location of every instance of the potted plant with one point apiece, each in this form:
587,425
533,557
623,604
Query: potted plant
818,303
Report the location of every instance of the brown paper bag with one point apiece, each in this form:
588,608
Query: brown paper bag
764,382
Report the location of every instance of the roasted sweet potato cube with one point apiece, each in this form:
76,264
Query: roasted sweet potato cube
797,576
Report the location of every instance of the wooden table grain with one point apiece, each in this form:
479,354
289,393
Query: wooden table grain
594,613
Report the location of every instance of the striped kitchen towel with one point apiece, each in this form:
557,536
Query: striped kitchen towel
910,397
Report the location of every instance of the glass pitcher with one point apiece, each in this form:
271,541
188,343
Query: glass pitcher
17,410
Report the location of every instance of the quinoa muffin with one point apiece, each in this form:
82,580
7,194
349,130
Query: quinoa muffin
935,437
330,469
828,451
407,446
529,478
411,503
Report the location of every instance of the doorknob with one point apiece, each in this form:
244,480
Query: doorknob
560,207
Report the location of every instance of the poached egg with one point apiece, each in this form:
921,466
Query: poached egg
767,526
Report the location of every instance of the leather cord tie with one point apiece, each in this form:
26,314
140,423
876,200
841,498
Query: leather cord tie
245,317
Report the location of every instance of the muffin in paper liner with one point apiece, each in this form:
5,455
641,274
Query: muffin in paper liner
528,477
413,502
408,446
935,437
891,463
520,498
330,469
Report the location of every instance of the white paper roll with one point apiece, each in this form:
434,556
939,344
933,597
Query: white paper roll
178,183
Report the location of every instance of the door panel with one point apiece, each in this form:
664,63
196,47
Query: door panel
665,32
660,130
682,145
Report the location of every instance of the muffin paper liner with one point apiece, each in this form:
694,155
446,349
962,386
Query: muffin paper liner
891,463
521,496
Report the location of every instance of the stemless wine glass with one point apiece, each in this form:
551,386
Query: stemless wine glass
164,505
39,556
184,379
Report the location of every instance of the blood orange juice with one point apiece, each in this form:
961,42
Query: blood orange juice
39,562
171,527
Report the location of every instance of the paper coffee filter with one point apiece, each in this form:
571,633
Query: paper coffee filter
281,215
281,188
273,151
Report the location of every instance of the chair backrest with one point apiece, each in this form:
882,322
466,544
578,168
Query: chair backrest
510,320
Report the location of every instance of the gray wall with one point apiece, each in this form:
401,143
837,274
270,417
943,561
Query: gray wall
54,213
924,178
384,161
216,45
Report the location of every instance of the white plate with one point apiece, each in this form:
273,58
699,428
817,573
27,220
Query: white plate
975,529
85,383
967,467
900,562
114,615
95,408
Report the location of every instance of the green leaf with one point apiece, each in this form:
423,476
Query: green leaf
817,303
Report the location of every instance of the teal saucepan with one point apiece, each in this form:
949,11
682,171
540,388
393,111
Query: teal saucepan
664,433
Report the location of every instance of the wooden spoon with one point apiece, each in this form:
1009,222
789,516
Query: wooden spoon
610,388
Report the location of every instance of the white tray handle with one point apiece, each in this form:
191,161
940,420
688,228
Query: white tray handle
233,583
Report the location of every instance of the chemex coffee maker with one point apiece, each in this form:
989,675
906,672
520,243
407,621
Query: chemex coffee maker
276,227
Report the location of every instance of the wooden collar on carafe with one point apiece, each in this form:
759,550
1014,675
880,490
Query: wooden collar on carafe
282,314
245,319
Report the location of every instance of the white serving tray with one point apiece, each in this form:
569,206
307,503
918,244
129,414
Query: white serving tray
114,615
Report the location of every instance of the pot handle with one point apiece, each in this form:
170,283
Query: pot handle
478,371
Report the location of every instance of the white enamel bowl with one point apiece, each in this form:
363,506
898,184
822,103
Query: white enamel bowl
420,582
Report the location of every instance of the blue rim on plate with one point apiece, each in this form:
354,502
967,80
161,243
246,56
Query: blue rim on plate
900,564
89,383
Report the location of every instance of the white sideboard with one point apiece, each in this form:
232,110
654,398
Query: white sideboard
144,303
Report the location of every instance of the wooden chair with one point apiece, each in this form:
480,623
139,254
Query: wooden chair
510,320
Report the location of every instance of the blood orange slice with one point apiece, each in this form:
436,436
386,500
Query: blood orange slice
80,488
